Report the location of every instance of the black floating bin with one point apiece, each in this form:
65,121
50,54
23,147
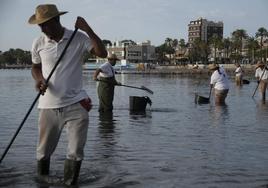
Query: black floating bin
246,81
201,100
137,103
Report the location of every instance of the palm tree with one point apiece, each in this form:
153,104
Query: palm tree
227,47
168,41
216,43
262,32
106,42
182,43
238,36
169,49
199,51
174,45
252,45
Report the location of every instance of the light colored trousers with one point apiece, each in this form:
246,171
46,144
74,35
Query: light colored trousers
52,121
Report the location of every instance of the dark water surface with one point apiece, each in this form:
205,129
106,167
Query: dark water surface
176,143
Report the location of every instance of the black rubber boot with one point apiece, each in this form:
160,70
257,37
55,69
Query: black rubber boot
71,172
43,167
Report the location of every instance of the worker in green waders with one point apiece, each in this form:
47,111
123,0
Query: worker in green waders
105,74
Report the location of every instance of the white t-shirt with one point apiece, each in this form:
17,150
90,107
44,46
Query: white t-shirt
65,85
258,74
107,70
238,71
219,80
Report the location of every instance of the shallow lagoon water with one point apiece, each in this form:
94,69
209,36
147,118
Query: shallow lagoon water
176,143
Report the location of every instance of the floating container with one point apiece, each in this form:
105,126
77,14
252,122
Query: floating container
137,103
246,82
201,100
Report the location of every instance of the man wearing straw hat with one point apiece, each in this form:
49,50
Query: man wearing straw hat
220,82
106,75
63,102
261,74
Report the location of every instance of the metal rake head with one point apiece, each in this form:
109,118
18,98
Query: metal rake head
147,89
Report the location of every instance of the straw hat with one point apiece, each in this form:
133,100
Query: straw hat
112,57
213,66
260,63
44,13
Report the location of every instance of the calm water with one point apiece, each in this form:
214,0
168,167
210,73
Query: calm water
174,144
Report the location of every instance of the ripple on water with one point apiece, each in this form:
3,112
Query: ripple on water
175,143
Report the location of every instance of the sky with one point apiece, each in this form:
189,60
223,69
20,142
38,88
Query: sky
138,20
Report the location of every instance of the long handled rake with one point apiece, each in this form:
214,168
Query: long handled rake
135,87
142,88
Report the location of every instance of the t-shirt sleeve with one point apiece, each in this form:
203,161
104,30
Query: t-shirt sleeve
213,78
107,69
211,81
257,73
87,43
238,70
36,59
104,67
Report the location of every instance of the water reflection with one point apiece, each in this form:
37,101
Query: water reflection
219,114
107,133
9,176
106,122
136,115
139,113
261,110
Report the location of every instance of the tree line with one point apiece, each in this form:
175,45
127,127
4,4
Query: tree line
15,57
235,48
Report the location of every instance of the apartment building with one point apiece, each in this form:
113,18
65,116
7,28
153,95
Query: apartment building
204,29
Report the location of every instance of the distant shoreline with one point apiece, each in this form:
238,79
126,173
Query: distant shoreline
249,70
16,67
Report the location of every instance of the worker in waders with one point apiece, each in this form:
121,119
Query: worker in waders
105,74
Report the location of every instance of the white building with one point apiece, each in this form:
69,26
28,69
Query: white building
134,53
